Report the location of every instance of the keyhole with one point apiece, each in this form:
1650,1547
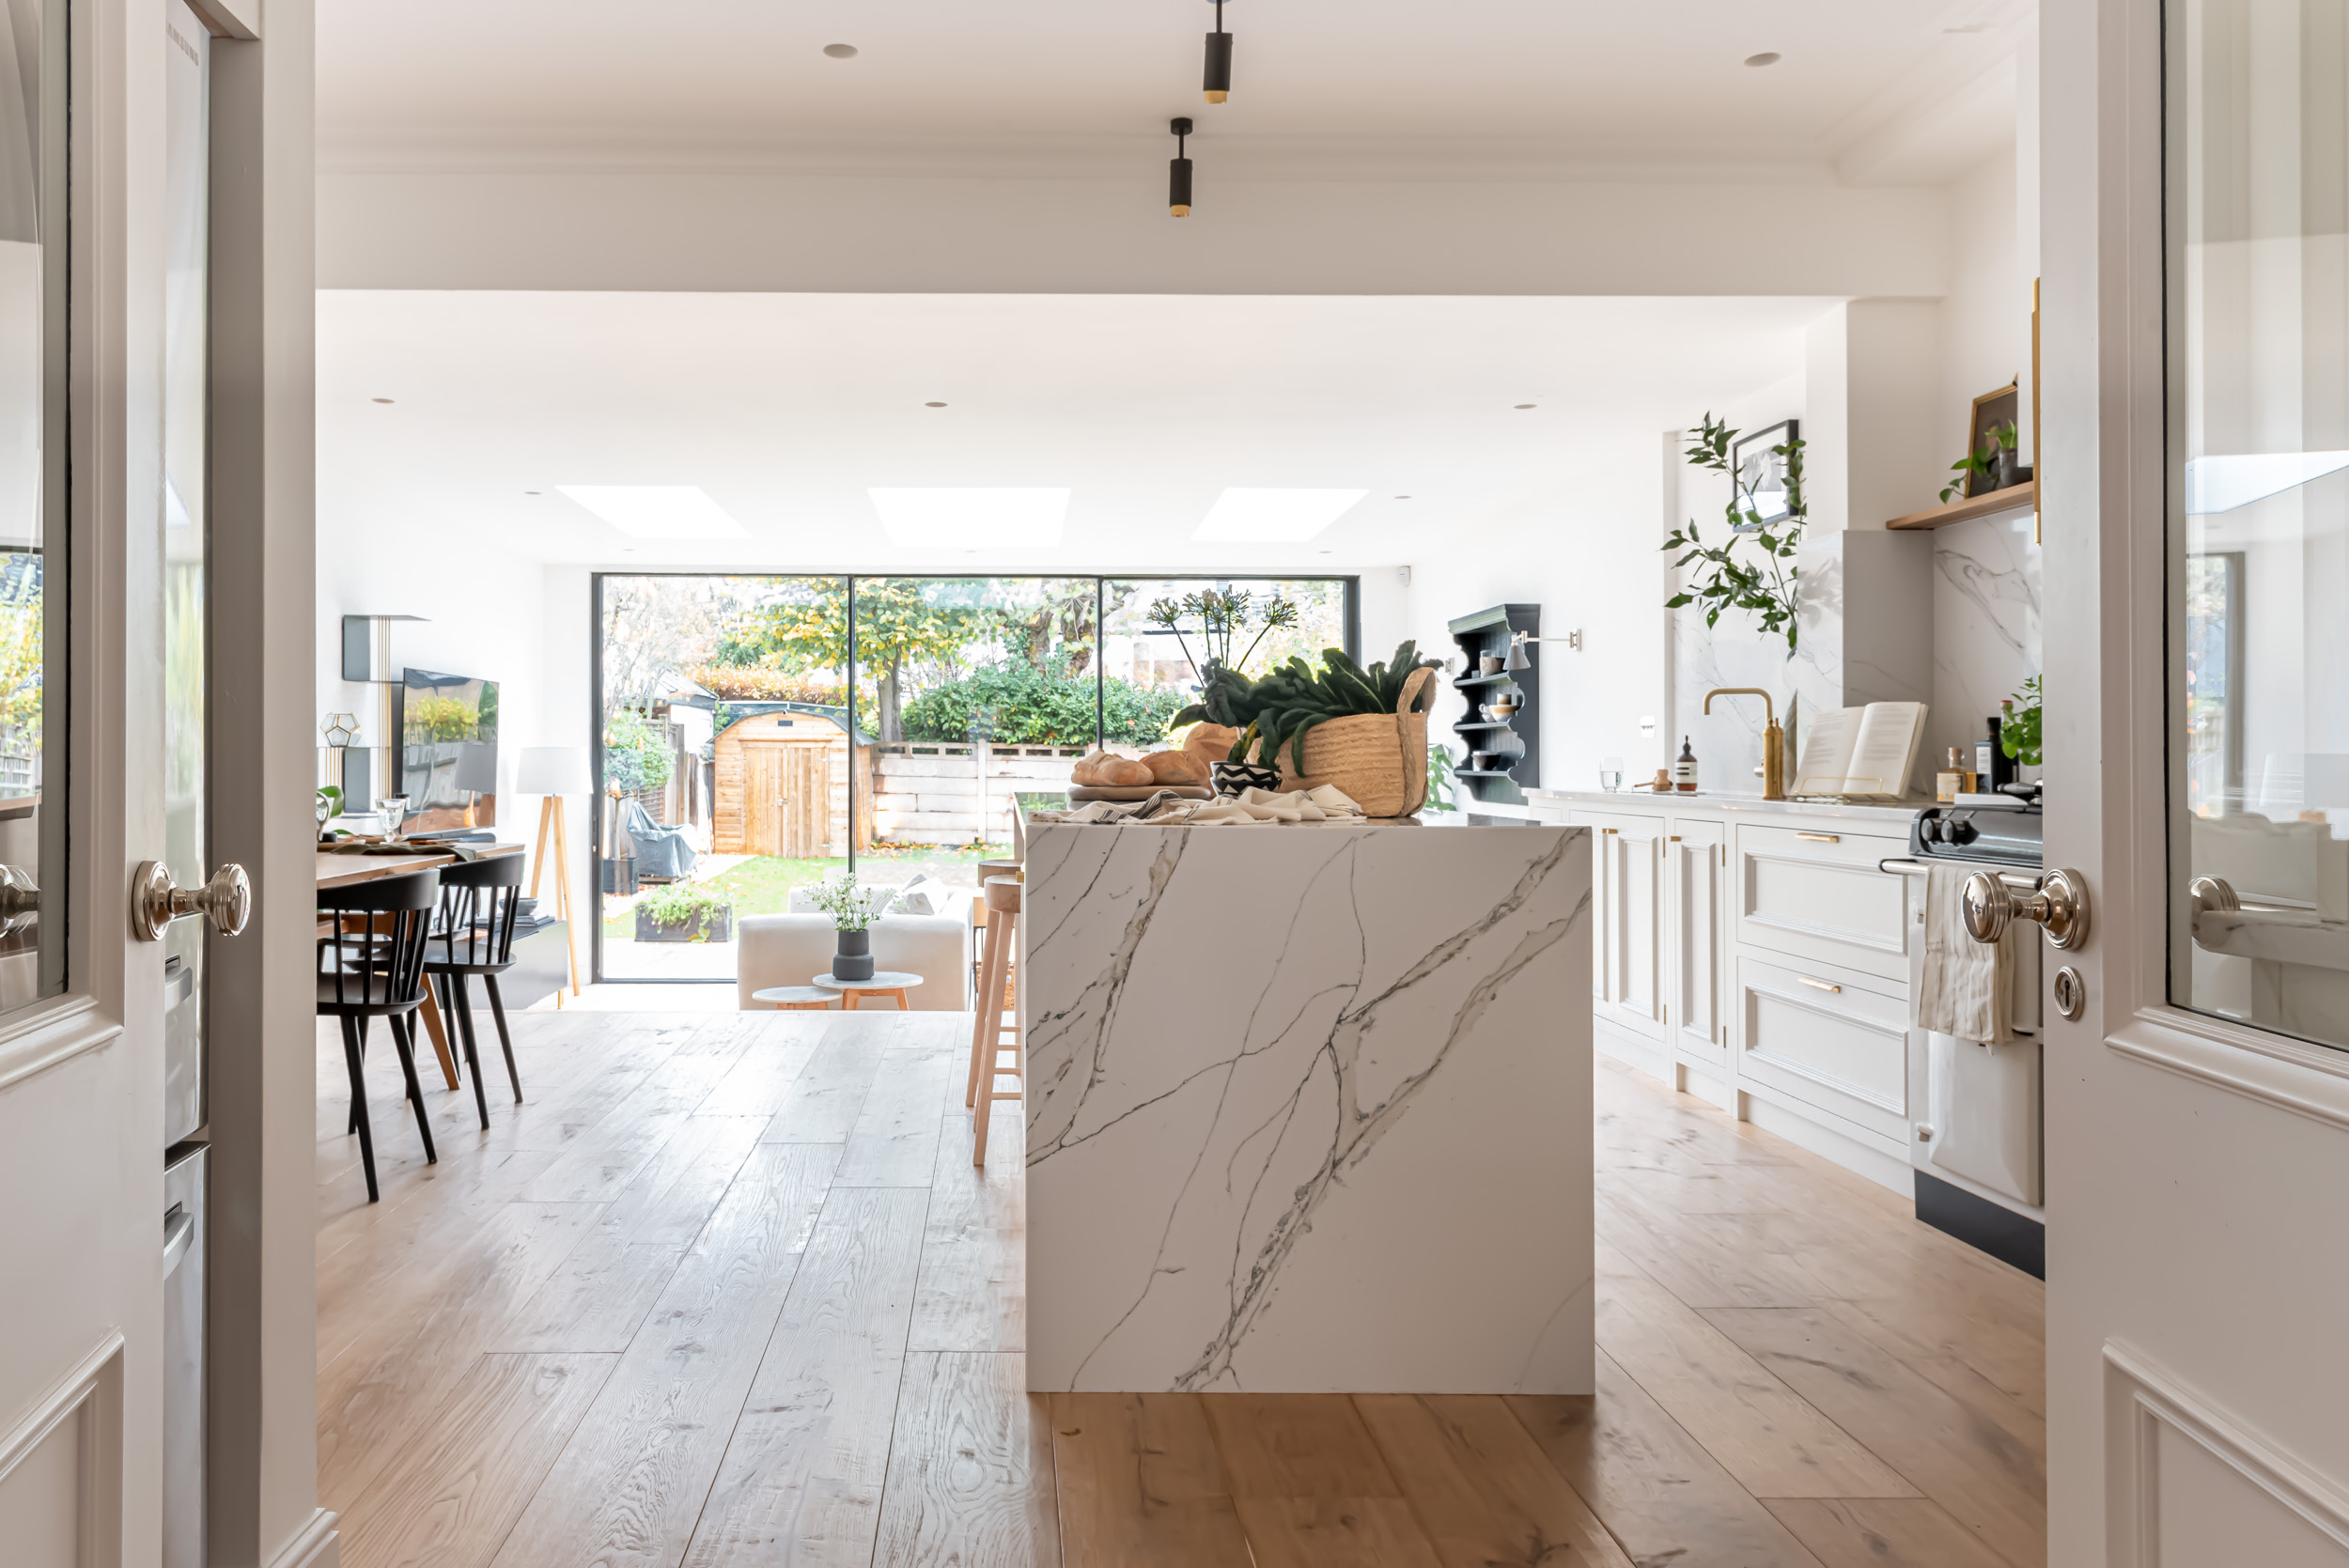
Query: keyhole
2071,992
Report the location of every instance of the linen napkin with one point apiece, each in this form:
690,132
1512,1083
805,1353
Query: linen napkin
1967,987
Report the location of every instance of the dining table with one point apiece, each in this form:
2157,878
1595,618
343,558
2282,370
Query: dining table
343,868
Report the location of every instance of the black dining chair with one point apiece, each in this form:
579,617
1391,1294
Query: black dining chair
372,966
475,935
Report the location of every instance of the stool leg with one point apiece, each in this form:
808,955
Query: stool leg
983,1026
359,1105
463,988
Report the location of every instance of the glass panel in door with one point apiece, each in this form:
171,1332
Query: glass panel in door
2258,235
32,496
731,773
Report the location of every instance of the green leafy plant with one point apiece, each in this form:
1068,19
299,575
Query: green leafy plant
852,908
1041,707
634,756
1752,570
2018,737
1295,699
685,905
1221,617
1983,462
1440,780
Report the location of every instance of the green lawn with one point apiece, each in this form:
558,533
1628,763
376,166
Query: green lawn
763,886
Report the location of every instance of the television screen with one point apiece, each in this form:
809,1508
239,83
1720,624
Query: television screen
448,750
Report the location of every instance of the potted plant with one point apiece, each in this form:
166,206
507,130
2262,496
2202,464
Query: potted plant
684,912
1367,729
1226,698
854,909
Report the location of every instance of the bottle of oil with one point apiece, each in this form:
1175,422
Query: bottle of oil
1684,769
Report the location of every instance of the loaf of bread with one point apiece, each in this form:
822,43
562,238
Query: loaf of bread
1211,743
1087,772
1176,768
1126,772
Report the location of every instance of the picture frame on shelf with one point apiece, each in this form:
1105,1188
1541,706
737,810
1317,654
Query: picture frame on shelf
1990,412
1760,474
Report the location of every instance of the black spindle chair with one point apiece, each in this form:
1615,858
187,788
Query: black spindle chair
372,966
475,935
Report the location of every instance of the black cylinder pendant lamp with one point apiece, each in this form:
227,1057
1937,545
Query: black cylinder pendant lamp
1178,172
1219,60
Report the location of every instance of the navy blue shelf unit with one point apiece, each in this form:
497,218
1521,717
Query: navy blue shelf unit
1517,737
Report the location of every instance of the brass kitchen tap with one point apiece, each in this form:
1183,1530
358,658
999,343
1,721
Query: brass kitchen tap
1773,739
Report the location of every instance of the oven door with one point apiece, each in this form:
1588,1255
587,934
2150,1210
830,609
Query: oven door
1978,1120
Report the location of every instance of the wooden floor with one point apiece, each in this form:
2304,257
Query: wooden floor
727,1290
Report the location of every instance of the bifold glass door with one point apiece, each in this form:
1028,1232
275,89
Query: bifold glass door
756,735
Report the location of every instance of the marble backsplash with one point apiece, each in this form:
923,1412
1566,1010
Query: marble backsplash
1980,618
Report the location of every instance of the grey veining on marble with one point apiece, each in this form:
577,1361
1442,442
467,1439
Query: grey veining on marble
1986,617
1309,1112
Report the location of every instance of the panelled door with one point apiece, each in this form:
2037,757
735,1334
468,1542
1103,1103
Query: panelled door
1627,854
2195,353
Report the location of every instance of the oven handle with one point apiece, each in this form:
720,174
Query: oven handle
1903,866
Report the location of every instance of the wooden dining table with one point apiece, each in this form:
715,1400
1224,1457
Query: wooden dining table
350,870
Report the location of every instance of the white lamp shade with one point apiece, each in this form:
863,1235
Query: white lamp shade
554,771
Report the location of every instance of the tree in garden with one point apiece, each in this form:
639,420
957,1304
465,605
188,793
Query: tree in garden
896,625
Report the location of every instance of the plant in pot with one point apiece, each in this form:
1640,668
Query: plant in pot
1219,618
1365,731
854,909
684,912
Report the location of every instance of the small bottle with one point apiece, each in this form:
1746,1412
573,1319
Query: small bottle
1987,757
1955,779
2004,770
1684,769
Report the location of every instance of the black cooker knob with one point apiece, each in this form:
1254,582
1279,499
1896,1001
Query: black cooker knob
1958,830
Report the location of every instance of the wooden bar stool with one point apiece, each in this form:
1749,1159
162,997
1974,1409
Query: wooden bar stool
986,1043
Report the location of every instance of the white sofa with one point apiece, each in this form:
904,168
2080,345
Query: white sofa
791,950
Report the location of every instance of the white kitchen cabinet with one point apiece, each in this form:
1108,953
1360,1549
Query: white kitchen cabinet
1696,917
1627,935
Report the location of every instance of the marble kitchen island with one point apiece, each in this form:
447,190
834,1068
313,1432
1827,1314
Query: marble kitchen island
1309,1109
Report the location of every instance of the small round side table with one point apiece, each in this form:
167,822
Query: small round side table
797,999
894,982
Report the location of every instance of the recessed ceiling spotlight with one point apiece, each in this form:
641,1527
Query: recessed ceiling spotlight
533,492
840,51
1767,57
1403,498
933,405
379,399
1525,405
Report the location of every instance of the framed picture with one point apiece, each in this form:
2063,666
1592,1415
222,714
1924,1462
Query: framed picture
1761,474
1993,411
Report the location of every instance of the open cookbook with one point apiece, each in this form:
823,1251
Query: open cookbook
1864,752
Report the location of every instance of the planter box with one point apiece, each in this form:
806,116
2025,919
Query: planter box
717,927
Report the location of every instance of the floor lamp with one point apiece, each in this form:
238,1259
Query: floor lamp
553,773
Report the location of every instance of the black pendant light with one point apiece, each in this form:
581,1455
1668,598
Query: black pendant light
1219,60
1178,172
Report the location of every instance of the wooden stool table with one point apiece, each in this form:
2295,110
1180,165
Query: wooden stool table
797,999
894,982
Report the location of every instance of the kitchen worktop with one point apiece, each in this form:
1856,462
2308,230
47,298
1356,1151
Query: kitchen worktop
1890,813
1308,1113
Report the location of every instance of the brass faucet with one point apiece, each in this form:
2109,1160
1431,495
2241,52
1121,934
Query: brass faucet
1773,739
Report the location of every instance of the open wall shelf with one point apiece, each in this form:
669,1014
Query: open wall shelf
1517,737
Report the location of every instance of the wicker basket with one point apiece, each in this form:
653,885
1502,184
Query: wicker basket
1379,760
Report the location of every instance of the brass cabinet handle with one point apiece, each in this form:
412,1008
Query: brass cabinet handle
1822,838
1820,984
1608,831
1675,838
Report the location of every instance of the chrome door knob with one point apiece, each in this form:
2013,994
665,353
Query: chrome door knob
2059,905
226,900
20,899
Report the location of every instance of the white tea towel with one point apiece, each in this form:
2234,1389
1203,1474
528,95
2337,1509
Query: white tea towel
1968,986
1325,804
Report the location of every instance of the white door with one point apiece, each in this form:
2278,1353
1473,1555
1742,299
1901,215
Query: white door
102,518
2195,230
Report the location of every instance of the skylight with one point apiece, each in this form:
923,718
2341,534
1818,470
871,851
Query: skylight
1273,517
947,519
657,511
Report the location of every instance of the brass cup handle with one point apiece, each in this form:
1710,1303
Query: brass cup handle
226,900
2059,905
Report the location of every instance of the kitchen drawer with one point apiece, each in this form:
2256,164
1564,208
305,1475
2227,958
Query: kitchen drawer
1816,894
1829,1037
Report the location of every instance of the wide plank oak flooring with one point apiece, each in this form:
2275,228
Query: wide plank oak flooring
726,1289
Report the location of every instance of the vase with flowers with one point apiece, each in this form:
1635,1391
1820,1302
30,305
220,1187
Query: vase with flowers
854,909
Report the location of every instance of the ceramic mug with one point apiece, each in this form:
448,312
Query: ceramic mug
1489,663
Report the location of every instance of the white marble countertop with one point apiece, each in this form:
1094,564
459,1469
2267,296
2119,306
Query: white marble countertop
1743,805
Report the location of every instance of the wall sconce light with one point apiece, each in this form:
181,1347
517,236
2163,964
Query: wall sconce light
1218,80
1178,172
1518,660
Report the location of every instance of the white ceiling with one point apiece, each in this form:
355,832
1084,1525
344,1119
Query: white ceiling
786,407
1379,83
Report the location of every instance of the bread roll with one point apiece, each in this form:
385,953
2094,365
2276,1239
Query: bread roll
1210,742
1087,772
1125,771
1176,768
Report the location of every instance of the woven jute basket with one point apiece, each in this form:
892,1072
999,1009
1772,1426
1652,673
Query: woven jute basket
1379,760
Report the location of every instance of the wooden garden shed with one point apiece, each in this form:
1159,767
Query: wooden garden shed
781,782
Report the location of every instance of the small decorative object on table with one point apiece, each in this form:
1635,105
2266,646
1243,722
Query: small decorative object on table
852,910
1233,777
1611,774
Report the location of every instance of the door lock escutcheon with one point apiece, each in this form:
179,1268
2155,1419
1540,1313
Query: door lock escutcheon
226,900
